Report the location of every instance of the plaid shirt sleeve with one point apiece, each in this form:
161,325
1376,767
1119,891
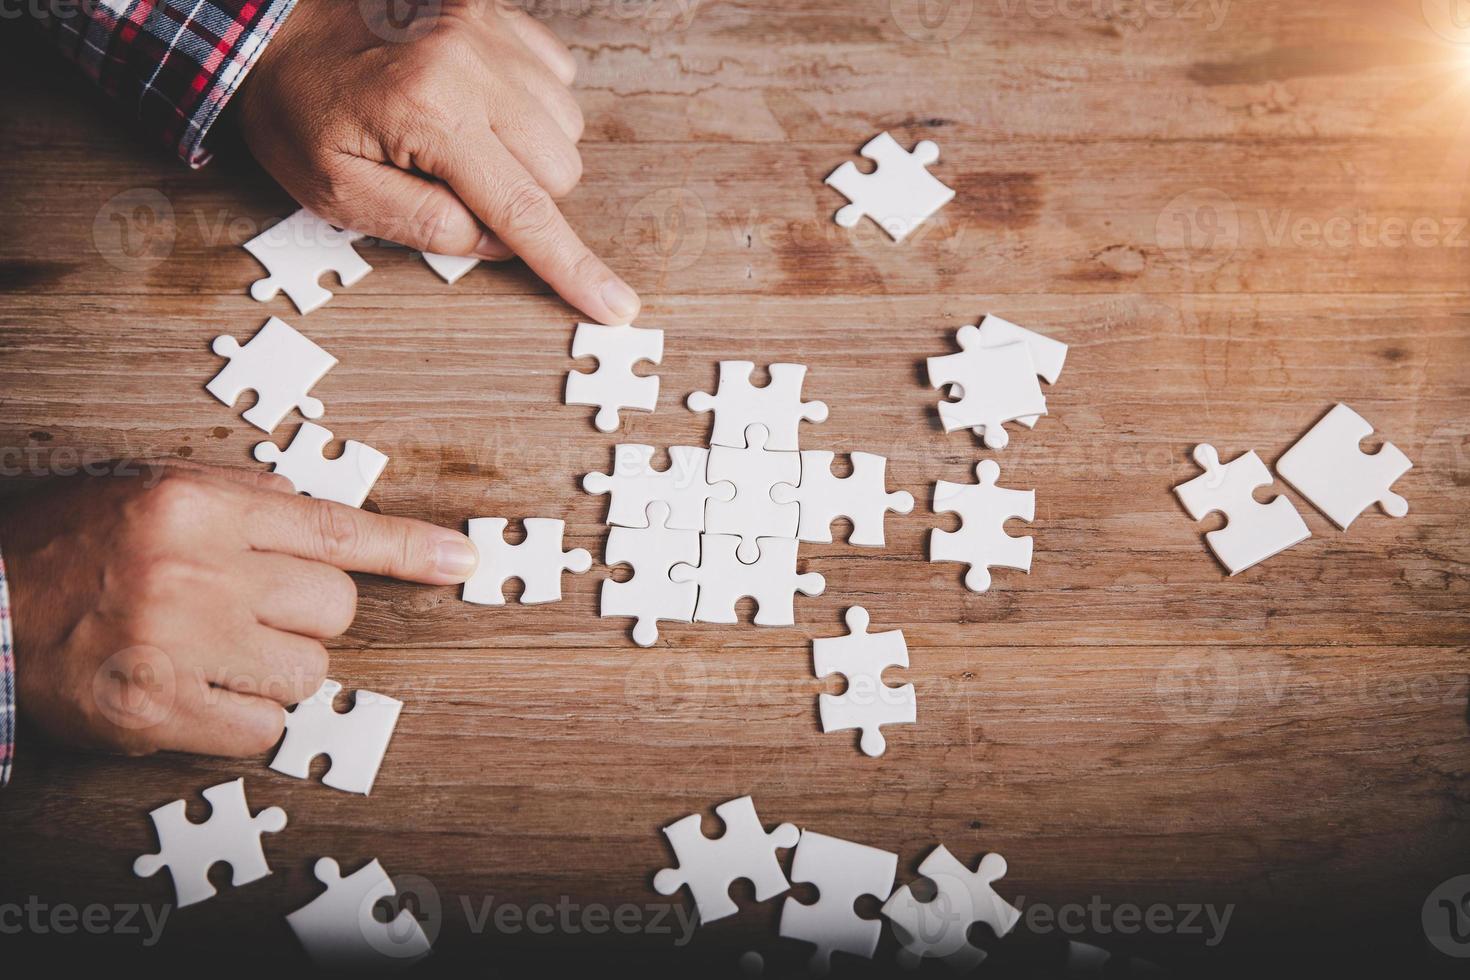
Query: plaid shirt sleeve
7,681
173,63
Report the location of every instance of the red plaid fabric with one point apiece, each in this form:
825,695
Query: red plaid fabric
7,682
174,63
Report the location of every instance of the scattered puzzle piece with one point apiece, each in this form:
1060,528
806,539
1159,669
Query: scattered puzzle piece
634,484
340,932
450,268
843,872
1339,479
899,194
614,386
724,580
1254,531
752,513
279,365
650,595
982,541
738,404
538,561
355,740
861,498
1049,355
867,703
297,252
230,835
938,929
348,479
709,865
993,385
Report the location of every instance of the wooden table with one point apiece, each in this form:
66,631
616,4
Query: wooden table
1236,218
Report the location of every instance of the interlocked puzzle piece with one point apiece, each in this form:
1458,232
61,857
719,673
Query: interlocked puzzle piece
993,385
450,268
982,541
899,194
297,252
348,479
867,703
538,561
724,580
738,404
709,865
937,929
634,484
753,513
355,740
1254,531
1049,355
1340,479
230,835
340,932
843,872
613,385
279,365
861,498
650,595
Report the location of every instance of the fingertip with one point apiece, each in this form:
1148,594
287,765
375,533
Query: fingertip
621,302
455,558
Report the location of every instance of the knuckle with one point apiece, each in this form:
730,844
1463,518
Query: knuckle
529,209
338,536
440,225
176,501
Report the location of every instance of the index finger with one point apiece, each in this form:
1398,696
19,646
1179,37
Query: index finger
356,540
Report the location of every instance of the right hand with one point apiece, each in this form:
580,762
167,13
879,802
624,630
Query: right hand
184,607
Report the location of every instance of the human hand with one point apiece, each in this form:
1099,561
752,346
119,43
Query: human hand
183,607
450,132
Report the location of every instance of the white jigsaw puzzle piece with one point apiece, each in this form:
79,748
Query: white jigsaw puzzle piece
1048,354
982,541
450,268
1253,531
340,932
650,595
355,740
634,484
938,929
868,703
724,580
1341,480
738,404
993,385
614,386
862,498
538,561
279,365
348,479
709,865
752,513
297,252
899,195
230,835
843,872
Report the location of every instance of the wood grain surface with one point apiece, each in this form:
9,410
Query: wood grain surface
1237,214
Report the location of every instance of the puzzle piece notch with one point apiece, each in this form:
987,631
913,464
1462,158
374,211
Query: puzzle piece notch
752,513
724,580
650,595
862,498
992,385
279,365
614,386
340,932
899,195
348,479
355,740
843,872
708,865
982,541
1049,355
538,561
868,703
1327,466
938,929
450,268
230,835
737,405
297,252
634,484
1253,531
